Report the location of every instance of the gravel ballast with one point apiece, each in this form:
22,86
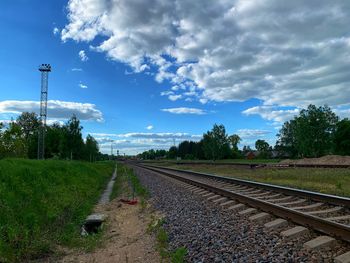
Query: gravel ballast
212,234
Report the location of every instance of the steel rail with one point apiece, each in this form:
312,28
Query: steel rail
324,226
326,198
256,165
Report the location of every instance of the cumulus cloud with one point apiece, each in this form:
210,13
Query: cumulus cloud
77,69
55,31
83,86
137,142
272,113
149,127
185,110
283,53
82,55
252,133
56,109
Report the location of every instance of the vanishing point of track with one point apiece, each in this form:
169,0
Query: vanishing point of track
327,214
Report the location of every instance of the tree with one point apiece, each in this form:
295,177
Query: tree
13,141
342,137
91,148
234,140
263,148
216,144
311,133
29,123
72,143
172,153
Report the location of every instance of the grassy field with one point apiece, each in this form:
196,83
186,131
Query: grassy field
330,181
44,203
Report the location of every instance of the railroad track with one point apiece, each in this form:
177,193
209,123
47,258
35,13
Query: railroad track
327,214
260,165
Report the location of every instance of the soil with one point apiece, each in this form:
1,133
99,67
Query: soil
328,159
125,238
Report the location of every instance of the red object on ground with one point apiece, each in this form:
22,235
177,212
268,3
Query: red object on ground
129,202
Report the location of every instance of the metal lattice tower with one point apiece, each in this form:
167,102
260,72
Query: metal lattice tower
44,69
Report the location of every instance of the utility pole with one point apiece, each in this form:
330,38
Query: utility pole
44,69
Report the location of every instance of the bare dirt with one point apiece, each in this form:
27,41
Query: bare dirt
328,159
125,237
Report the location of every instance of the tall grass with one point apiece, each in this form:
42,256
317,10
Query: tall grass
43,204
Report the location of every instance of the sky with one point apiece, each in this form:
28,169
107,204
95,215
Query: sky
147,74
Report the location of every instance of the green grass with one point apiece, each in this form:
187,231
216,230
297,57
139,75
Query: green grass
175,256
330,181
44,203
127,182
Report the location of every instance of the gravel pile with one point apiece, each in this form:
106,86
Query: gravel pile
211,234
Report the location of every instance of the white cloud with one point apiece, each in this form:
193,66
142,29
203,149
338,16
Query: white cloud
55,31
174,97
77,69
185,110
284,53
83,86
82,55
149,127
272,113
56,109
252,133
137,142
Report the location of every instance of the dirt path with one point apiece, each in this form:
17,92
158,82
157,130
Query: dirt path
125,238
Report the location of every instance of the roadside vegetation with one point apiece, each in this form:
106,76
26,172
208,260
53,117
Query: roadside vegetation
44,203
128,186
328,181
175,256
315,132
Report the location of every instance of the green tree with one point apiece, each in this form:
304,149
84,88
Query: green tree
91,147
216,144
342,137
172,153
234,140
13,141
72,144
311,133
263,148
53,139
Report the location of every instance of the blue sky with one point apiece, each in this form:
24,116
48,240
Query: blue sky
143,73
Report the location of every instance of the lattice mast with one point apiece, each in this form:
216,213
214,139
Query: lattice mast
44,69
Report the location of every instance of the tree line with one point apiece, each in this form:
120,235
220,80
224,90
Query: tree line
315,132
19,139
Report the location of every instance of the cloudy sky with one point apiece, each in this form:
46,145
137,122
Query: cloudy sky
145,74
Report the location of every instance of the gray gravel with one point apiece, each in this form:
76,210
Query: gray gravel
211,234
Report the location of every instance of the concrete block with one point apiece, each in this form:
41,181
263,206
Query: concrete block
260,218
247,211
93,218
227,204
214,197
320,243
220,200
276,224
344,258
237,207
209,194
294,232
